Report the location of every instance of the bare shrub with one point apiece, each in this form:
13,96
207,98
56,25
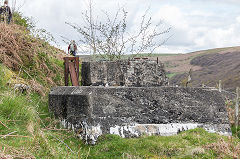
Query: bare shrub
112,38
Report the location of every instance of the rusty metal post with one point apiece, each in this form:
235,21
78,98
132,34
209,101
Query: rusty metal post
67,62
66,70
77,67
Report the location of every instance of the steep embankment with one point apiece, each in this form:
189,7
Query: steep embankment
24,117
30,58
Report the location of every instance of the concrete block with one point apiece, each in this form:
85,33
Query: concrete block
92,111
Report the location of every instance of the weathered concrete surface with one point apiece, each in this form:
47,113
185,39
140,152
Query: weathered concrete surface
138,73
133,111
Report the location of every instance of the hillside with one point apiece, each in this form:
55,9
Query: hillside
28,130
209,66
30,58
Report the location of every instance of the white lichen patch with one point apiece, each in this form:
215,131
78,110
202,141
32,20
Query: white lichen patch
152,129
91,133
77,91
213,128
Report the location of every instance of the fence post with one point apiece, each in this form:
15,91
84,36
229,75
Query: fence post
220,86
71,67
237,107
66,70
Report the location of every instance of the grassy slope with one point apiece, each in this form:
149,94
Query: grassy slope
26,117
27,129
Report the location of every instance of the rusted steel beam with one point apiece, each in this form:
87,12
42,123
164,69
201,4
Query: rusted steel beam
66,71
71,67
73,74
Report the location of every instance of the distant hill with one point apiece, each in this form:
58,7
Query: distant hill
209,66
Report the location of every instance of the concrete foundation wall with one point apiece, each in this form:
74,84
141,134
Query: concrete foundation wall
139,73
133,111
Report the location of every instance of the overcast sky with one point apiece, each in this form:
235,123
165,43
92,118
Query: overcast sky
196,24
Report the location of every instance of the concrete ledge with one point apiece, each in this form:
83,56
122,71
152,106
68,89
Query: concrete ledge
137,73
134,111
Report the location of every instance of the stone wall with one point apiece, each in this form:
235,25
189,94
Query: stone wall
134,111
138,73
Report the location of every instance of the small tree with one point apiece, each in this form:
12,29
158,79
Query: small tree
111,39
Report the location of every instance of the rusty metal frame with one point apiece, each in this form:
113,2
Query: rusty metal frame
74,73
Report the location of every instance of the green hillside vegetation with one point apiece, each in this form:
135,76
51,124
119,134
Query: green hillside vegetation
28,130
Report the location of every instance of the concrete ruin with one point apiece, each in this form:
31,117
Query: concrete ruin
136,73
92,111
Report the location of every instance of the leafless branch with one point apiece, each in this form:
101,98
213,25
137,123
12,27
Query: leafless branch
4,136
111,39
4,125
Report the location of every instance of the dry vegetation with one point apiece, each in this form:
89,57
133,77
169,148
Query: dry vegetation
32,58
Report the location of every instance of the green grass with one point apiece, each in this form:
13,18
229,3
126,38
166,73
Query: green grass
170,75
29,130
236,131
25,122
27,117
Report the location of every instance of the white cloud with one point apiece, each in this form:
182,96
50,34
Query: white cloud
198,29
197,25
